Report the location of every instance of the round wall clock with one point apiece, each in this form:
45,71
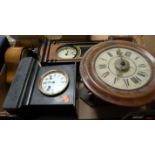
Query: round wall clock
53,82
119,72
68,52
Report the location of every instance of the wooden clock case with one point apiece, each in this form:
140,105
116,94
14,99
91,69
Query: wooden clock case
131,98
116,104
49,50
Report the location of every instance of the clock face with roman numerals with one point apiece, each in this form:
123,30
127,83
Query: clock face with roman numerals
123,68
119,72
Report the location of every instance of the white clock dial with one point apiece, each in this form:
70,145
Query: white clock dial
53,82
123,68
67,52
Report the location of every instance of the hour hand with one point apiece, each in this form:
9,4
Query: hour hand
118,74
67,53
119,53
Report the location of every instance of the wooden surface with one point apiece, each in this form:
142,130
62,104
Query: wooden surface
12,59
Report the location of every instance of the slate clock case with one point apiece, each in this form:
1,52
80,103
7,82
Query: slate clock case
29,101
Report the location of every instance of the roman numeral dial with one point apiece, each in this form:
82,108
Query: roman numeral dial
122,68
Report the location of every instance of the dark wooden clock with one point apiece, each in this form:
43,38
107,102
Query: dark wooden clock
52,51
119,72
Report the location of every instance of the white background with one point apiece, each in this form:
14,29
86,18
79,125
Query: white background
72,17
77,17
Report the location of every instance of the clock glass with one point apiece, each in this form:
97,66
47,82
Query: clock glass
53,82
122,68
67,52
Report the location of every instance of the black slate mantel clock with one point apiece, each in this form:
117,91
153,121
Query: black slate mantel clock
43,91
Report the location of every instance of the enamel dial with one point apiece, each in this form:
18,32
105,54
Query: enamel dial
53,82
119,72
123,68
67,52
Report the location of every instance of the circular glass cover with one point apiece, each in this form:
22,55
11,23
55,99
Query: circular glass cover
123,68
53,82
67,52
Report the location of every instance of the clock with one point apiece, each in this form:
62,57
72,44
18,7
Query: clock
53,82
119,72
48,90
56,51
68,52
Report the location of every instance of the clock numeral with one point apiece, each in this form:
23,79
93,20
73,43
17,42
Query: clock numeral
110,54
137,58
103,59
105,74
135,79
142,73
118,52
102,66
48,88
126,81
142,65
128,54
115,79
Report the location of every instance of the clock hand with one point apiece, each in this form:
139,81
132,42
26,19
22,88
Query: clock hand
66,53
118,73
119,53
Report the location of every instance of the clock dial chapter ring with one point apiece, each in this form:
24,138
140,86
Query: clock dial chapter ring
122,69
53,82
131,98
